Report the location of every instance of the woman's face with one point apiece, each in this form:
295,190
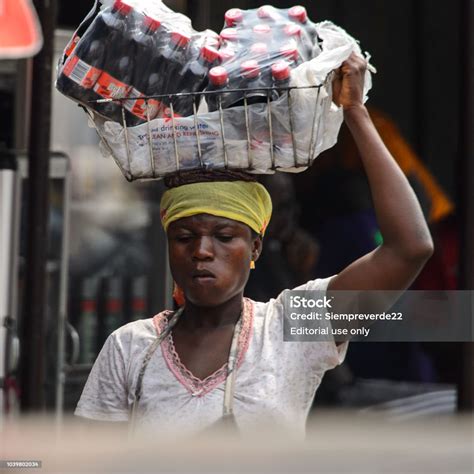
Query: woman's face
210,257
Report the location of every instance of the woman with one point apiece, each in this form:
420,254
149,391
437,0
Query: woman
222,356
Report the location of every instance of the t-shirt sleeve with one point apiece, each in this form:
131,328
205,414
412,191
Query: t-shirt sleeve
105,394
320,355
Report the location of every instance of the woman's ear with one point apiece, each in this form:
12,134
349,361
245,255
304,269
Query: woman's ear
257,246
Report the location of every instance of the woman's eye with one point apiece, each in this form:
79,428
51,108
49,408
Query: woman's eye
225,238
183,238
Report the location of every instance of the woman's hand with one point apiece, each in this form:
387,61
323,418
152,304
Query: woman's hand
348,84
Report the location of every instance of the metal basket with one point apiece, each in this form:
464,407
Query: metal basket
304,132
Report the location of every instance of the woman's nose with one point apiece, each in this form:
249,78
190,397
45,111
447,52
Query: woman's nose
203,248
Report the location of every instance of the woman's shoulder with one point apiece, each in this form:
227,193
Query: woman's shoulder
140,331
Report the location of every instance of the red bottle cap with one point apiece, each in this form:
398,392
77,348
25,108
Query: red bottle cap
210,54
292,30
281,70
233,16
266,11
226,54
250,69
259,49
123,8
211,39
290,51
218,76
180,39
298,13
151,23
229,34
262,30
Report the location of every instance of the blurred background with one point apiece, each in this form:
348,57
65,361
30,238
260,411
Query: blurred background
99,260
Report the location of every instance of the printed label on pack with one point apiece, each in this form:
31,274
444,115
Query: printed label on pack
110,88
138,106
72,45
81,72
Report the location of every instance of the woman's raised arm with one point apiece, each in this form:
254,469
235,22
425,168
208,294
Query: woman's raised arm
407,243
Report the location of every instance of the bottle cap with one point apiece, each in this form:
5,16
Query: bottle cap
266,12
233,16
226,54
229,34
250,69
218,76
122,7
280,70
298,13
261,30
211,39
151,23
180,39
259,49
210,54
290,51
292,30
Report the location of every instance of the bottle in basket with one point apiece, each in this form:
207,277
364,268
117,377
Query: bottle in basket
194,78
86,61
219,84
281,76
115,82
252,78
299,15
174,59
146,81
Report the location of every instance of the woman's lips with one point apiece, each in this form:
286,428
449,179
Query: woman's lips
203,276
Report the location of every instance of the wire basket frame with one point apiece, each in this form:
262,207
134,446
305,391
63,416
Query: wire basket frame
287,99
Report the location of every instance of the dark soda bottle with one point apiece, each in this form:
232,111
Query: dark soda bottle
299,15
281,75
115,82
289,52
148,42
218,82
86,61
194,78
251,77
294,34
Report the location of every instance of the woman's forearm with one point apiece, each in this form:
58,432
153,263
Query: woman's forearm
398,212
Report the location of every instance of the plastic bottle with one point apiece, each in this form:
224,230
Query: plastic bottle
281,72
251,77
218,82
194,78
116,78
289,52
230,38
86,62
299,15
268,13
148,43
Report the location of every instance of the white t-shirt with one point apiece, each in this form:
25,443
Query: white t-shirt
275,381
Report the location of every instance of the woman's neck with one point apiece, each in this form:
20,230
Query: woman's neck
197,317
